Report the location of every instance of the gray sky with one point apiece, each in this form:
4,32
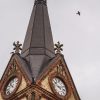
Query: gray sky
80,36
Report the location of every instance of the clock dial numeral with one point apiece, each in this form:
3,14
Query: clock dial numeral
59,86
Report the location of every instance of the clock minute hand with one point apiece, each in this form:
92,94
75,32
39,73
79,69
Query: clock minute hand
59,87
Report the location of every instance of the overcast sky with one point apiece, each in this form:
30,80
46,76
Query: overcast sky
79,34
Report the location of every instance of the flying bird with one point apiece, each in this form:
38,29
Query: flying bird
78,13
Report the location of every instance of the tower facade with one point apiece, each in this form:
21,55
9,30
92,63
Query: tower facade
39,72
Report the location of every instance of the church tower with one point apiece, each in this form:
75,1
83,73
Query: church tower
39,72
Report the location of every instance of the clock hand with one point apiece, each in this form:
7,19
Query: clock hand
58,87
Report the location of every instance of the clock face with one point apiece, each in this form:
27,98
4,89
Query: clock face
59,86
11,86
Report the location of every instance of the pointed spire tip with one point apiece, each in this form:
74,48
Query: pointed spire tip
40,2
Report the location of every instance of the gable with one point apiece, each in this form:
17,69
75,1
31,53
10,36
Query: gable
14,79
58,68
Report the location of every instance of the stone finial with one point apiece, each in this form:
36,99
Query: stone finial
58,47
17,47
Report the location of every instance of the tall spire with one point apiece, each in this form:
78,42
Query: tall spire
38,47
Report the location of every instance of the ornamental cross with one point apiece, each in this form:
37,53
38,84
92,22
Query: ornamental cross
58,47
17,47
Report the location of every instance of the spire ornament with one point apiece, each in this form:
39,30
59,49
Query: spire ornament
17,47
58,47
40,2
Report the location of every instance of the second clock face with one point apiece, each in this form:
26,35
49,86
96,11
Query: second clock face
59,86
11,86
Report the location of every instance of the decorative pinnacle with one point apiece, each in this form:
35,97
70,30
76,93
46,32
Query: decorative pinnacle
40,2
17,47
58,47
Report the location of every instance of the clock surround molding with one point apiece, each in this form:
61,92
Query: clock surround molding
63,79
16,74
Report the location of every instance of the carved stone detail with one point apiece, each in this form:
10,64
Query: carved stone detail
12,67
60,70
